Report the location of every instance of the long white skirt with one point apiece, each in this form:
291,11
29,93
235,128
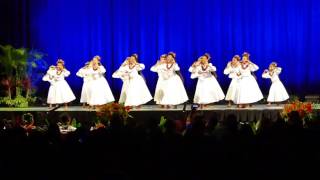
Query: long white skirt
123,95
100,92
59,93
277,92
248,91
208,91
137,92
85,93
232,89
158,95
174,92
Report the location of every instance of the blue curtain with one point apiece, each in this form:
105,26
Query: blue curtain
285,31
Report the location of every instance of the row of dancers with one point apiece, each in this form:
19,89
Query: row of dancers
170,91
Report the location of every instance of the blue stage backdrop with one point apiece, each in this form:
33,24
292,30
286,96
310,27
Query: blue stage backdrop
285,31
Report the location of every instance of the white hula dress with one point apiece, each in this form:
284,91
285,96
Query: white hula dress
232,74
134,91
158,95
174,92
277,92
59,90
208,89
85,91
122,74
248,90
99,89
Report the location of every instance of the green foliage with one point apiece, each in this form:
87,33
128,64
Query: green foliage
75,124
18,101
294,98
14,64
255,126
162,124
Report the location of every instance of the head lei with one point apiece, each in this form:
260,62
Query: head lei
207,55
163,56
274,64
135,55
97,57
237,57
172,54
60,61
246,54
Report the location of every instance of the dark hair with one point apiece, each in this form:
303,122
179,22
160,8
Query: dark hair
172,54
207,55
135,55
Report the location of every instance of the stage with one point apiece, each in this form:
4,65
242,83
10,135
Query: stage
147,113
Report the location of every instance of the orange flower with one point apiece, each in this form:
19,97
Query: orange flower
309,108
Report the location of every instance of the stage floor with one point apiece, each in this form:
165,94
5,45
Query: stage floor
151,113
144,108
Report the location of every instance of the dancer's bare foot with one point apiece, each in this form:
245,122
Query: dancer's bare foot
50,106
65,106
84,105
162,106
229,104
269,104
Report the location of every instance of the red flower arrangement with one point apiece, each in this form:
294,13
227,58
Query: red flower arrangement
304,109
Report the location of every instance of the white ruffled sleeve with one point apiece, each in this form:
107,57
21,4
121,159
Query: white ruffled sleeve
266,75
192,69
176,67
212,68
80,73
227,70
66,73
278,70
253,67
155,68
102,70
117,74
140,67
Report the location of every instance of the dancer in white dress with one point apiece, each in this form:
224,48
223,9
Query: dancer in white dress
99,89
159,68
232,71
208,89
85,93
59,90
174,92
277,92
248,90
122,74
134,91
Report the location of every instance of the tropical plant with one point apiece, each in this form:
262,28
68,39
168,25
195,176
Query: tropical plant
106,112
16,74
